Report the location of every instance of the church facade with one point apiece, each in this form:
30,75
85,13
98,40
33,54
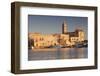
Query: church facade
66,38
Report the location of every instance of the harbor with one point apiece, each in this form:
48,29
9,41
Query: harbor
57,53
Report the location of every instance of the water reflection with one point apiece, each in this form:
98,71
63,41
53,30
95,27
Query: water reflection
58,53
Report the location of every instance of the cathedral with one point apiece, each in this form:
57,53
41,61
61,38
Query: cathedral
77,36
66,38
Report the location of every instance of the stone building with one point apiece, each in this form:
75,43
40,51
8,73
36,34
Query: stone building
77,36
43,40
38,40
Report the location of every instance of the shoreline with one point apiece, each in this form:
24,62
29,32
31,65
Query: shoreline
54,49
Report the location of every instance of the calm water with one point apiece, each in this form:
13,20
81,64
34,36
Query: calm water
60,53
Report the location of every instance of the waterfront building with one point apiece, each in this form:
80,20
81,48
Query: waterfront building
38,40
43,40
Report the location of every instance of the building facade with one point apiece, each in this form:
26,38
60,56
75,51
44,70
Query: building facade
42,40
38,40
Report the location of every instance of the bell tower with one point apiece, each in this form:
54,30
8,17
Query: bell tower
64,28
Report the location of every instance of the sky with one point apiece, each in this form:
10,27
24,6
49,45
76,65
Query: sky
53,24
